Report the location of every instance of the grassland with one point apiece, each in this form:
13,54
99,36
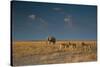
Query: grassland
39,52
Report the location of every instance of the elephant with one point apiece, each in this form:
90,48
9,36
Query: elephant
51,40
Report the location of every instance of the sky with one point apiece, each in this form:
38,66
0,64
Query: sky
37,21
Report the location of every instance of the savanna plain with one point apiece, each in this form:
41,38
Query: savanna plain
38,52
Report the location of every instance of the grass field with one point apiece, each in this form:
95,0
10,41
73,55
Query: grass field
40,52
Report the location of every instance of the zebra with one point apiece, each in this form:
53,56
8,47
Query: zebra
72,44
67,45
85,46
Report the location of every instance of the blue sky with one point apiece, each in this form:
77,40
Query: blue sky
35,21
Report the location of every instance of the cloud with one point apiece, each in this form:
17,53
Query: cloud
57,9
32,16
67,17
35,17
68,21
43,25
60,10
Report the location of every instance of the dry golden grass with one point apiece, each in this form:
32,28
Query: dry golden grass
39,52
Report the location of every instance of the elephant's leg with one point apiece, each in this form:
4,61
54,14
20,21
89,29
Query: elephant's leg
53,42
49,42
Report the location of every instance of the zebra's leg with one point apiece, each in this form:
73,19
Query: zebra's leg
67,46
60,47
74,45
49,42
